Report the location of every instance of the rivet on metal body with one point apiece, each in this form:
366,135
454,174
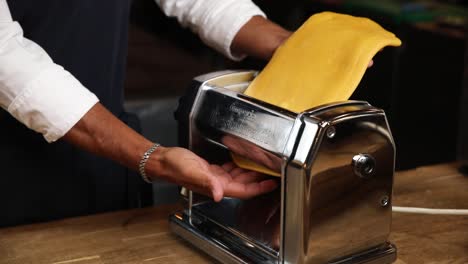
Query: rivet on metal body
384,201
331,132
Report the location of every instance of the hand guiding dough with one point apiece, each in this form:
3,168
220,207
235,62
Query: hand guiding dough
322,62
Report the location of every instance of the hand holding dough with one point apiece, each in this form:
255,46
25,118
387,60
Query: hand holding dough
322,62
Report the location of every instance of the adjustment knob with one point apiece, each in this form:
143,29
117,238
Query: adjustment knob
363,165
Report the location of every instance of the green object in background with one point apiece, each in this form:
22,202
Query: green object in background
411,11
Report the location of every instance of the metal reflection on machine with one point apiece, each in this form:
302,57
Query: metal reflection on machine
336,166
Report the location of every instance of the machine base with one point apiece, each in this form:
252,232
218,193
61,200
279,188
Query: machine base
227,248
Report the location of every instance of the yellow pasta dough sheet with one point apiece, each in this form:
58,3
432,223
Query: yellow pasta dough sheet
322,62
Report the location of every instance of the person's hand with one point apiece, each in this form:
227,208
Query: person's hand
250,151
259,38
185,168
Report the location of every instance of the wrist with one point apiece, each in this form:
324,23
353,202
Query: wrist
144,159
154,167
259,37
280,36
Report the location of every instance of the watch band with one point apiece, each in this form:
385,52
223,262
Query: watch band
143,161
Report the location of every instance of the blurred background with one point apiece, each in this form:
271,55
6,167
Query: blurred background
422,86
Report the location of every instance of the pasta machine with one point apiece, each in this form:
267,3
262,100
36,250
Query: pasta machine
336,161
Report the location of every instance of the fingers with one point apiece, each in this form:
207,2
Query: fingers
215,185
230,180
245,191
211,188
232,169
249,177
236,189
242,175
371,62
217,191
229,166
238,172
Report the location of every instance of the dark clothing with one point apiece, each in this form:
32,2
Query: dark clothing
41,181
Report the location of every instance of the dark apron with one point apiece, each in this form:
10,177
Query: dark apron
41,181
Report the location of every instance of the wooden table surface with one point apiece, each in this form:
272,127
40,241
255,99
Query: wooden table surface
142,235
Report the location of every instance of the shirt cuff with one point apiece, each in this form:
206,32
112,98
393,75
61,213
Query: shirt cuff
225,26
52,103
216,22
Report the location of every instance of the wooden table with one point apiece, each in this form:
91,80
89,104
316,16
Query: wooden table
142,236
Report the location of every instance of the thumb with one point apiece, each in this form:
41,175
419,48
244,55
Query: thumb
217,191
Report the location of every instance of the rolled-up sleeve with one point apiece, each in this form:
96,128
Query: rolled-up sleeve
36,91
215,21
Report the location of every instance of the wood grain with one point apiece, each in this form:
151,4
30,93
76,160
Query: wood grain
431,238
142,236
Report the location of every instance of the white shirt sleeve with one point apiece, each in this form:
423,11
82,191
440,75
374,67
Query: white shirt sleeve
215,21
35,90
